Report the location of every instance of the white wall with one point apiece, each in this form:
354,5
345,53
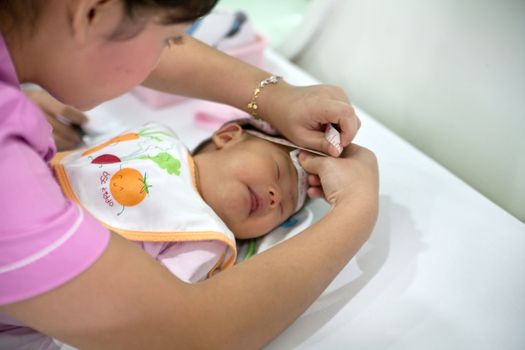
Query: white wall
447,75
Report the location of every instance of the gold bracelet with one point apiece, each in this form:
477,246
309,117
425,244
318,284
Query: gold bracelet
252,106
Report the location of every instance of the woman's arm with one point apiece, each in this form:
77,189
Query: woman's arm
127,300
192,68
300,113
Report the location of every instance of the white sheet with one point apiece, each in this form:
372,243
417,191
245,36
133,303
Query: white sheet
443,268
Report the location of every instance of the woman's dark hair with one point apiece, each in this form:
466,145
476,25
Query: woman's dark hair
187,10
25,12
172,12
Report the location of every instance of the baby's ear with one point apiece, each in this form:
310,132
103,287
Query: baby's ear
230,133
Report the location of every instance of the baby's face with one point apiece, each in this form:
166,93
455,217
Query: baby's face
256,187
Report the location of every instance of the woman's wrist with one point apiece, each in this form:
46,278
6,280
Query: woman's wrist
362,209
268,98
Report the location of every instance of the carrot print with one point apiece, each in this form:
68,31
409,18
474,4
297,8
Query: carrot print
128,187
164,160
124,137
127,137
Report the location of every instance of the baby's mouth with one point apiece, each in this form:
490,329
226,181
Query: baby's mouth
255,203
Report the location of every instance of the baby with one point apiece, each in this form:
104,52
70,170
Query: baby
187,209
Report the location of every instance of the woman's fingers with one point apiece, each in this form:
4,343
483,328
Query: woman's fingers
63,142
341,179
313,180
310,163
338,114
315,192
317,140
61,118
343,115
74,115
65,132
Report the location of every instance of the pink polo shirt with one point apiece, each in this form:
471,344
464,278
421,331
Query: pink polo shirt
45,239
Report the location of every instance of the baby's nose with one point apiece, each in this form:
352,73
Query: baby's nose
275,196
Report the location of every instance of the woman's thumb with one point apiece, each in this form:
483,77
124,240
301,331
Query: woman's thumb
325,142
310,162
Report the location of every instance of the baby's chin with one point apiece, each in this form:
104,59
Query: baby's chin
247,229
241,232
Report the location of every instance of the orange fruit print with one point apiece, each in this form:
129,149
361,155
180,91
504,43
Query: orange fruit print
128,187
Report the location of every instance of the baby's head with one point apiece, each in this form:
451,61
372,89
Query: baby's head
251,183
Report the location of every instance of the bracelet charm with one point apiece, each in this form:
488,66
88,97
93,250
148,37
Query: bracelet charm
252,106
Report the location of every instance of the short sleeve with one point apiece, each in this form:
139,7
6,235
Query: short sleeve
45,239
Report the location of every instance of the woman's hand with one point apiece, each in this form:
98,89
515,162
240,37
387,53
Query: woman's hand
301,113
353,176
65,136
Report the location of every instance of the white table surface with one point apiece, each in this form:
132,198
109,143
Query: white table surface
443,269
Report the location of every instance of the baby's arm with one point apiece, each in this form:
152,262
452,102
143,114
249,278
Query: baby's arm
189,261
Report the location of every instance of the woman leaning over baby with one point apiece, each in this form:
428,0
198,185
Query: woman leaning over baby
64,275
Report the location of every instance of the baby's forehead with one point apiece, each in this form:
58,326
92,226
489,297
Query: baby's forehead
273,148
